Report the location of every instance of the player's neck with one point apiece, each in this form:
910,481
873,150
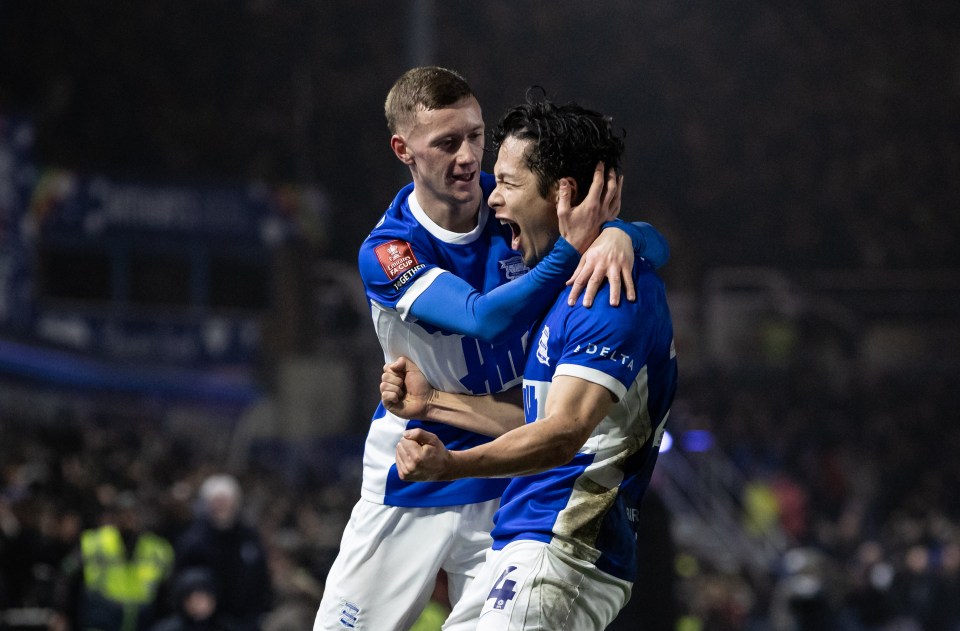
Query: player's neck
455,217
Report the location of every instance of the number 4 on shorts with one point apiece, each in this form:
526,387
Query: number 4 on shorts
503,589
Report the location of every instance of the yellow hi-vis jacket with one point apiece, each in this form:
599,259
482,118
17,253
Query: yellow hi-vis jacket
109,572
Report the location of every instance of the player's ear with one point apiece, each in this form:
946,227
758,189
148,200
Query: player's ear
400,149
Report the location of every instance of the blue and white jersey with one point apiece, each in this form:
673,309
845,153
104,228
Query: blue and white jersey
590,506
400,258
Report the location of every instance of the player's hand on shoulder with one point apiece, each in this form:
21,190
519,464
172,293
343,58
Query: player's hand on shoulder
609,258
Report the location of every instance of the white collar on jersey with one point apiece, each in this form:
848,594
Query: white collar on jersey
442,233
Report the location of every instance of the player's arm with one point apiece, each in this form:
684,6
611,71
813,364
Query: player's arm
646,241
574,408
452,304
406,393
609,256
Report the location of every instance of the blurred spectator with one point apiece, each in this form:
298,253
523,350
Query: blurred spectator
806,598
117,578
869,604
717,602
948,615
34,539
195,604
218,539
917,589
297,590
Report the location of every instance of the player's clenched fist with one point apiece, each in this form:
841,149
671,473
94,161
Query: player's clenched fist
421,457
404,390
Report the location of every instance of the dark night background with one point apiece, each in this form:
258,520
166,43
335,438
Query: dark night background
801,135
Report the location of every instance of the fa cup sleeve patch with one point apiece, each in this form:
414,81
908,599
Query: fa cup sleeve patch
396,257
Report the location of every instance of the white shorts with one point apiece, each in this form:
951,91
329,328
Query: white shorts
532,586
389,557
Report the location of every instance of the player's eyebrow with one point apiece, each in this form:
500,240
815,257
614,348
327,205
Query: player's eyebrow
506,175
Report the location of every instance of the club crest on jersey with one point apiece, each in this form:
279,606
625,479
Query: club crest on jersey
542,356
514,267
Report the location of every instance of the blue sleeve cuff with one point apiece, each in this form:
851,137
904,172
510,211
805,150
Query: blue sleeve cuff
647,241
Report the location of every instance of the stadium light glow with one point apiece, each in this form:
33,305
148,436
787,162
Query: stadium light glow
697,440
666,442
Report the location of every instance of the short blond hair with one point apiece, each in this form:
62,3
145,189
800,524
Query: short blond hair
422,88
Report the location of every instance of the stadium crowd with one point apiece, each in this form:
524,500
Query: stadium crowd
855,480
73,473
849,474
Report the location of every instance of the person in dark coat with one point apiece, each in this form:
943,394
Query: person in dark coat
195,604
218,539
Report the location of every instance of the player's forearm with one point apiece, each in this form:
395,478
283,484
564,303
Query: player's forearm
573,409
526,450
455,306
490,415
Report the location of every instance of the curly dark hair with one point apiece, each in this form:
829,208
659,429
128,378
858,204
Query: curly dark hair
568,140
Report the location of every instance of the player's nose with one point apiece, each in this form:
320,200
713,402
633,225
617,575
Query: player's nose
465,154
495,200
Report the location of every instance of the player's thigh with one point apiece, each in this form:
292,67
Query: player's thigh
466,610
526,591
600,599
532,587
470,546
386,567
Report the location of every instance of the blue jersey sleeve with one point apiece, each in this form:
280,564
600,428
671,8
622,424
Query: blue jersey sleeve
647,241
453,305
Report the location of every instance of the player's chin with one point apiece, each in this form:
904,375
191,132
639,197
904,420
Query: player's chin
527,252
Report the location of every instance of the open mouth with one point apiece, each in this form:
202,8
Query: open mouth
464,177
515,233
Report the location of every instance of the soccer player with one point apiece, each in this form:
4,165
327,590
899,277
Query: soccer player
448,288
597,388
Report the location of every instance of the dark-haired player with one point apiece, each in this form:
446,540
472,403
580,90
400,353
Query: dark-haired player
597,388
